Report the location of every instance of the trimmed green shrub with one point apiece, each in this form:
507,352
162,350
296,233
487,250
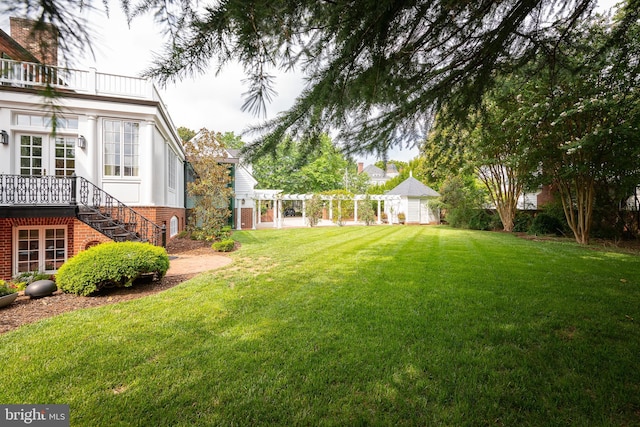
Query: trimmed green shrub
224,245
111,264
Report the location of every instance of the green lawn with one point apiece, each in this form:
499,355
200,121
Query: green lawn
354,326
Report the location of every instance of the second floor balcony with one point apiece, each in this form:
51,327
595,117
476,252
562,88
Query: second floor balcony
34,75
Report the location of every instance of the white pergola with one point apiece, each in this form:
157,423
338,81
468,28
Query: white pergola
277,197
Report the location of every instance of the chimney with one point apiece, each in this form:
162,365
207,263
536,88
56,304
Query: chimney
360,167
39,38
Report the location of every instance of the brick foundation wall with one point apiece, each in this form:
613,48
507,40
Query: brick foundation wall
85,237
162,216
79,235
246,218
5,248
6,238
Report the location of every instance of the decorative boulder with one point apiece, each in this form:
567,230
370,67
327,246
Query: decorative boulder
41,288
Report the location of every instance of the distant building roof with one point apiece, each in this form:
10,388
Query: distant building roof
373,171
411,187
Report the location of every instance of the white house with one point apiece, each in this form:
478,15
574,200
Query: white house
414,201
378,176
112,170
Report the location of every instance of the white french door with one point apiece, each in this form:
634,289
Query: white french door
42,155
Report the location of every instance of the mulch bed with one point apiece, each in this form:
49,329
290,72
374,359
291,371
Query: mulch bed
26,310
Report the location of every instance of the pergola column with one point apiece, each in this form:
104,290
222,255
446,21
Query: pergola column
259,220
256,212
274,208
330,209
238,214
379,217
304,210
355,210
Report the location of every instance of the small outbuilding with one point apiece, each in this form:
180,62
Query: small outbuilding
416,202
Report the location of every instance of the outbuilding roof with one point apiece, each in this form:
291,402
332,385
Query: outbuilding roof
411,187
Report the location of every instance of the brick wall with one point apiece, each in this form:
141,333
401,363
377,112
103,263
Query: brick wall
5,248
546,196
41,42
79,235
84,237
6,238
246,218
162,216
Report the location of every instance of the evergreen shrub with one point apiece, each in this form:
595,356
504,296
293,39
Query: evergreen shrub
480,220
544,223
111,264
223,245
522,222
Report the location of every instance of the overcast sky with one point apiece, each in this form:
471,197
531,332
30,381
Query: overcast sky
207,100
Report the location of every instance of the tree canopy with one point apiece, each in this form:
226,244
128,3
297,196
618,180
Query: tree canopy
376,71
294,171
568,118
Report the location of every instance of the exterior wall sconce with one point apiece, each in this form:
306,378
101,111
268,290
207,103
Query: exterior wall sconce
82,142
4,137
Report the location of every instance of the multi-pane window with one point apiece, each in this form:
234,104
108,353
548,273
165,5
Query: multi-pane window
173,226
37,120
172,173
31,155
65,162
41,249
121,148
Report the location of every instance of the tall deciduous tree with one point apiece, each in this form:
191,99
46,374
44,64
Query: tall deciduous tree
294,171
186,134
582,118
487,144
211,190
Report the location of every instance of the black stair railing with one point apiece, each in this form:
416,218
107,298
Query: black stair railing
113,218
95,207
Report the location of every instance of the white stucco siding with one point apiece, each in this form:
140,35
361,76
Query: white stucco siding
393,207
155,133
6,150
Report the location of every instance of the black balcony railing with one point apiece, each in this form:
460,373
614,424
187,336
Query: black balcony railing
36,190
94,206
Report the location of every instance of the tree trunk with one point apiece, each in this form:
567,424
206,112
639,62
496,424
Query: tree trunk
577,197
504,189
